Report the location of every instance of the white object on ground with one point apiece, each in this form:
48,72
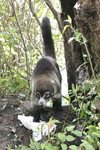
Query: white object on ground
64,82
39,129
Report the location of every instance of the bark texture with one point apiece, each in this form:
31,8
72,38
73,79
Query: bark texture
87,20
67,10
73,52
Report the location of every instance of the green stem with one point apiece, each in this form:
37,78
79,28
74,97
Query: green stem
89,60
84,42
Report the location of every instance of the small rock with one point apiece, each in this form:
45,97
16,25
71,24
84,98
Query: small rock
28,105
3,100
8,117
22,96
4,144
1,119
13,129
16,105
4,106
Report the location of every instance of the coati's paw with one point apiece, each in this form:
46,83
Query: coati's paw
57,106
36,114
36,119
60,108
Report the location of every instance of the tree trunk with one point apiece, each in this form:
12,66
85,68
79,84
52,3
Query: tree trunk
73,53
70,66
87,20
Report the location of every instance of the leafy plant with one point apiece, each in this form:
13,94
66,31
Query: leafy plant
79,38
14,84
92,136
55,141
84,97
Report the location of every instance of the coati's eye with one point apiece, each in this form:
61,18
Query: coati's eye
47,95
51,94
38,95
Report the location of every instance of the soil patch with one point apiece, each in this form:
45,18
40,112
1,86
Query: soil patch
13,133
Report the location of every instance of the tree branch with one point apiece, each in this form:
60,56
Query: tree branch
12,4
34,13
55,13
4,58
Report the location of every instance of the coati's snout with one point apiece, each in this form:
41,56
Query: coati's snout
44,91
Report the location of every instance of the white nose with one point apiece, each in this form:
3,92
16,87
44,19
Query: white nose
42,102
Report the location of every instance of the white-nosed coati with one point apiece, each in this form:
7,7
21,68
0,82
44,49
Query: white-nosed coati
46,77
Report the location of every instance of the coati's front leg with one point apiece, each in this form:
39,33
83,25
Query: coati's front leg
36,113
57,104
35,107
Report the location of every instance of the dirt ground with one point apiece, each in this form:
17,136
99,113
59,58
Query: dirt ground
12,132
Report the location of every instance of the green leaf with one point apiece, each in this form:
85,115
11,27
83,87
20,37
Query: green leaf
86,145
89,147
17,37
69,18
55,148
25,148
65,28
43,145
70,138
77,133
64,146
6,35
97,134
13,18
71,39
73,88
37,145
88,112
86,86
62,137
12,30
73,147
57,142
36,1
92,128
9,147
70,128
56,121
99,124
13,41
16,146
13,89
92,92
9,82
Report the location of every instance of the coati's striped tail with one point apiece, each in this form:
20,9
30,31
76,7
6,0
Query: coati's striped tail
49,49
